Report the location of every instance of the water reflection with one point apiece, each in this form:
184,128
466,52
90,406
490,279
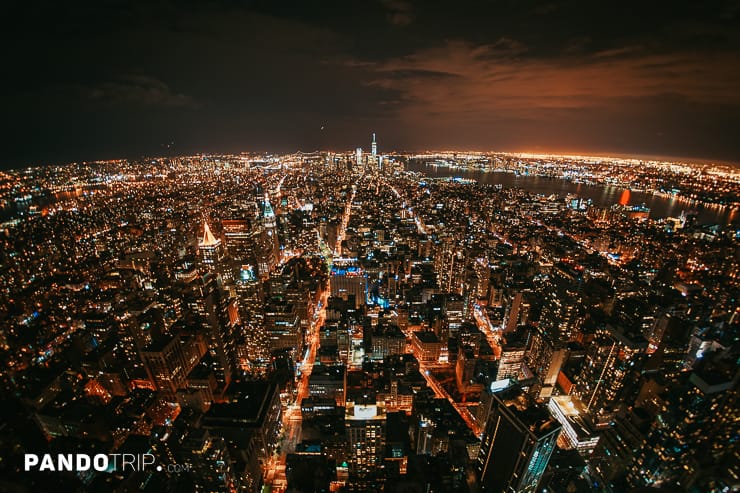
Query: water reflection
603,196
625,198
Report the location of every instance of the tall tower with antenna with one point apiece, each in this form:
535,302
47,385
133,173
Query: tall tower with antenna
374,146
270,244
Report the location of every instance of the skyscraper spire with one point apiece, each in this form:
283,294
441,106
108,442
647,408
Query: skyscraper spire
208,239
374,146
210,248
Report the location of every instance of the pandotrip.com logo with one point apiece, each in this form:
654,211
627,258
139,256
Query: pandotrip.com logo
98,462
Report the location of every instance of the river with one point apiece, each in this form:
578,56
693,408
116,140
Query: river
602,196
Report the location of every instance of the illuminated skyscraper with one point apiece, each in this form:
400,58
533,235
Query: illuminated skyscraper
252,314
213,256
519,438
210,248
482,276
268,214
347,278
165,363
218,316
366,427
610,358
358,156
374,146
282,326
513,350
270,244
578,430
545,358
562,313
455,312
693,443
241,240
512,318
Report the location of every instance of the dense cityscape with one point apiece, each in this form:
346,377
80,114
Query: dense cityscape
369,321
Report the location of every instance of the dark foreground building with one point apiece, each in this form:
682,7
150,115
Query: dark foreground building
518,441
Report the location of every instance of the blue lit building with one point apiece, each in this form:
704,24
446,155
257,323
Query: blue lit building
518,441
347,278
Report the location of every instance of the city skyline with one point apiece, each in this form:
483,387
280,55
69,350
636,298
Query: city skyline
570,154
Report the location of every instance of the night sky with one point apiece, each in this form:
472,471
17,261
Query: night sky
107,79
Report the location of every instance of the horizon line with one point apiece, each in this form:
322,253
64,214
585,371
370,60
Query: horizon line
662,158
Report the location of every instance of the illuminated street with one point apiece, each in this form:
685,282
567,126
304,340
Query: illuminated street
291,421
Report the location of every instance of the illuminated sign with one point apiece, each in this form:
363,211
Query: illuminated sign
500,384
365,412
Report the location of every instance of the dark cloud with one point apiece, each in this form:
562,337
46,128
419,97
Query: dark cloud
137,91
400,12
502,47
406,75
